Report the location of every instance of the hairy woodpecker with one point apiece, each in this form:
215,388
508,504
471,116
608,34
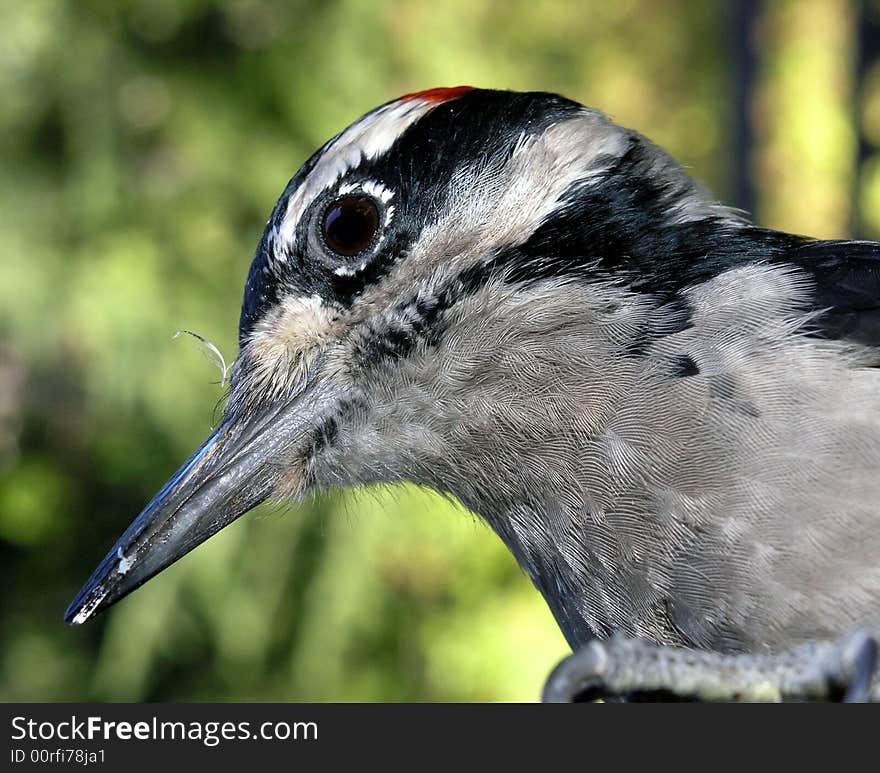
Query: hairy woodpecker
669,415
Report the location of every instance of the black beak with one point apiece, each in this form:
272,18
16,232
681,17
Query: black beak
234,470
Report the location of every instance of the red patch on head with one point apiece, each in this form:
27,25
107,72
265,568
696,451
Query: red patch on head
436,96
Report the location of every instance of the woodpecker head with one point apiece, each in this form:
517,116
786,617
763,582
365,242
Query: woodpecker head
419,309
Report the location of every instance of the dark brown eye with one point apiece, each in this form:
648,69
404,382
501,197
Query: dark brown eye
350,225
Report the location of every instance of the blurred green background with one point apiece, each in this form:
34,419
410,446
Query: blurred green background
143,144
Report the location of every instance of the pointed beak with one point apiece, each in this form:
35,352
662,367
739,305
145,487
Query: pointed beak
234,470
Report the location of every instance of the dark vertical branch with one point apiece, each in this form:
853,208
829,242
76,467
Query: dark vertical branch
743,21
867,58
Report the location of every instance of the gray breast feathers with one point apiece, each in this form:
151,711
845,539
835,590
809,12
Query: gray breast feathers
717,487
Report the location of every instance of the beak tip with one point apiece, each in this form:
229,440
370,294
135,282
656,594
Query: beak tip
91,599
83,608
73,618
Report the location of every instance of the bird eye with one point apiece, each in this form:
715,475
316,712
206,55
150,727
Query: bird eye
350,225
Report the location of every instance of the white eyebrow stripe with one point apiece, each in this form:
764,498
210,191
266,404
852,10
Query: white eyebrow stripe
371,187
373,135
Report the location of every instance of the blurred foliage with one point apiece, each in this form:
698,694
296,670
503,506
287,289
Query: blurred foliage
143,144
807,140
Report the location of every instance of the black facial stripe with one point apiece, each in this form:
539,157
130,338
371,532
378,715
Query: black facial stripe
619,227
416,323
480,125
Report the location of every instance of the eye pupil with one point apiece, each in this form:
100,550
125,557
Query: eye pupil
350,225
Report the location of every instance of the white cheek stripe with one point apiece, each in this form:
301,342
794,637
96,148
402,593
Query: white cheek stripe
373,135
